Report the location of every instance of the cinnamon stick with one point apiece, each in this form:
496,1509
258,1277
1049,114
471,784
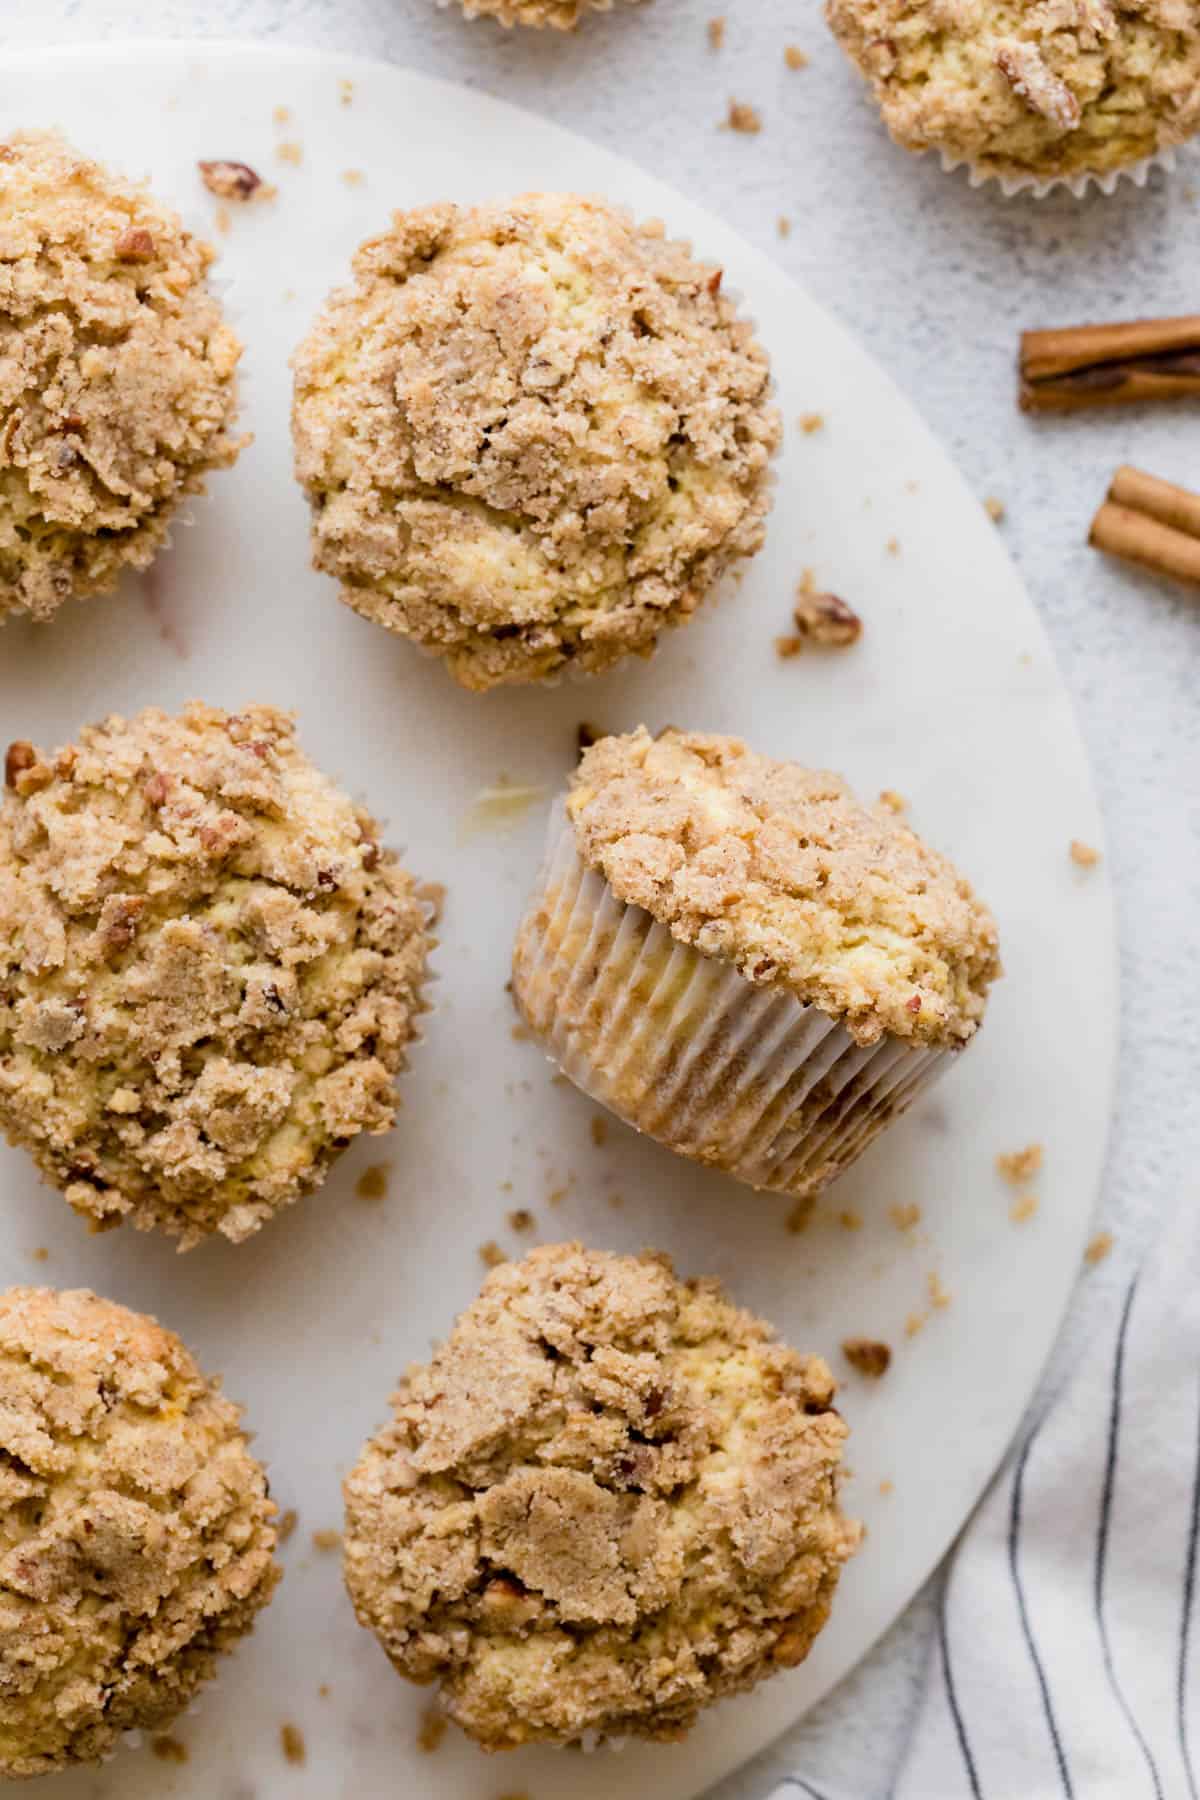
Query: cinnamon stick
1106,365
1150,522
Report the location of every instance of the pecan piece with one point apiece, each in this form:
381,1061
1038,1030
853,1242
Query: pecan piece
826,620
19,757
229,180
136,245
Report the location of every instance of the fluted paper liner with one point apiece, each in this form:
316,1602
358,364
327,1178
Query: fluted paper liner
684,1048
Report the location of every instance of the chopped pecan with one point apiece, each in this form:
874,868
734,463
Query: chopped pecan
229,180
868,1356
136,245
826,620
19,757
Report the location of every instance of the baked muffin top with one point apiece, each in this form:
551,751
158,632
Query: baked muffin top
781,871
136,1535
117,374
1014,88
609,1499
533,434
562,15
209,969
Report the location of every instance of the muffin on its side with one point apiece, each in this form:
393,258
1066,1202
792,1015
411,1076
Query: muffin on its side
610,1499
533,434
561,15
136,1534
210,971
117,375
741,960
1057,88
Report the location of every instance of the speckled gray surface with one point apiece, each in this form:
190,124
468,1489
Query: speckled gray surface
937,280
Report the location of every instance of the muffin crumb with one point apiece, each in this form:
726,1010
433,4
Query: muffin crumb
716,33
372,1184
1083,855
1023,1208
521,1219
434,1726
291,1742
491,1255
939,1294
234,181
868,1355
795,58
1020,1166
995,509
743,118
812,422
288,1524
1098,1249
169,1749
905,1217
326,1540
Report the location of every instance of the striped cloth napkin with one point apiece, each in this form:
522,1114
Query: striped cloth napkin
1067,1660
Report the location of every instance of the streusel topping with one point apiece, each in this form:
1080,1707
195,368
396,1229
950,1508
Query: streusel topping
561,15
210,971
1049,88
609,1499
533,435
117,374
136,1535
781,871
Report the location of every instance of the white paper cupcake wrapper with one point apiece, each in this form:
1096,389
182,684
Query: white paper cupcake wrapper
1039,186
686,1050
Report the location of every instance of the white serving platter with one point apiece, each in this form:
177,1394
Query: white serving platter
951,698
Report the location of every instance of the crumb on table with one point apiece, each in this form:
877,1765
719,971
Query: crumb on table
798,1219
41,1254
1023,1208
599,1130
291,1740
491,1255
281,114
290,152
905,1217
850,1219
345,91
432,1730
372,1184
810,422
1020,1166
716,33
1083,854
230,180
744,118
868,1355
353,177
894,802
169,1749
783,225
893,546
1099,1248
520,1219
939,1294
824,619
994,509
287,1524
887,1487
794,57
327,1540
915,1323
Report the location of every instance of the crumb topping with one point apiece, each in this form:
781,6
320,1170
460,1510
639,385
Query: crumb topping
610,1499
560,15
780,870
210,970
1050,88
117,374
136,1536
533,435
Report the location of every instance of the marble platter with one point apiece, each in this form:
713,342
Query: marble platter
952,699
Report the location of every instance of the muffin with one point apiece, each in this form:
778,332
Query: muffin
1060,88
136,1535
562,15
742,961
117,374
532,434
210,971
610,1499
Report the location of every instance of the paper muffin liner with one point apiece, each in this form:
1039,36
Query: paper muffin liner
682,1047
1078,184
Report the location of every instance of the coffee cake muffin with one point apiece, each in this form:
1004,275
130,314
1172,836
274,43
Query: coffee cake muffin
117,375
532,434
561,15
136,1535
1052,89
610,1499
742,961
210,971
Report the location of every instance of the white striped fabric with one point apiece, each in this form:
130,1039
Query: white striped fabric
1067,1665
